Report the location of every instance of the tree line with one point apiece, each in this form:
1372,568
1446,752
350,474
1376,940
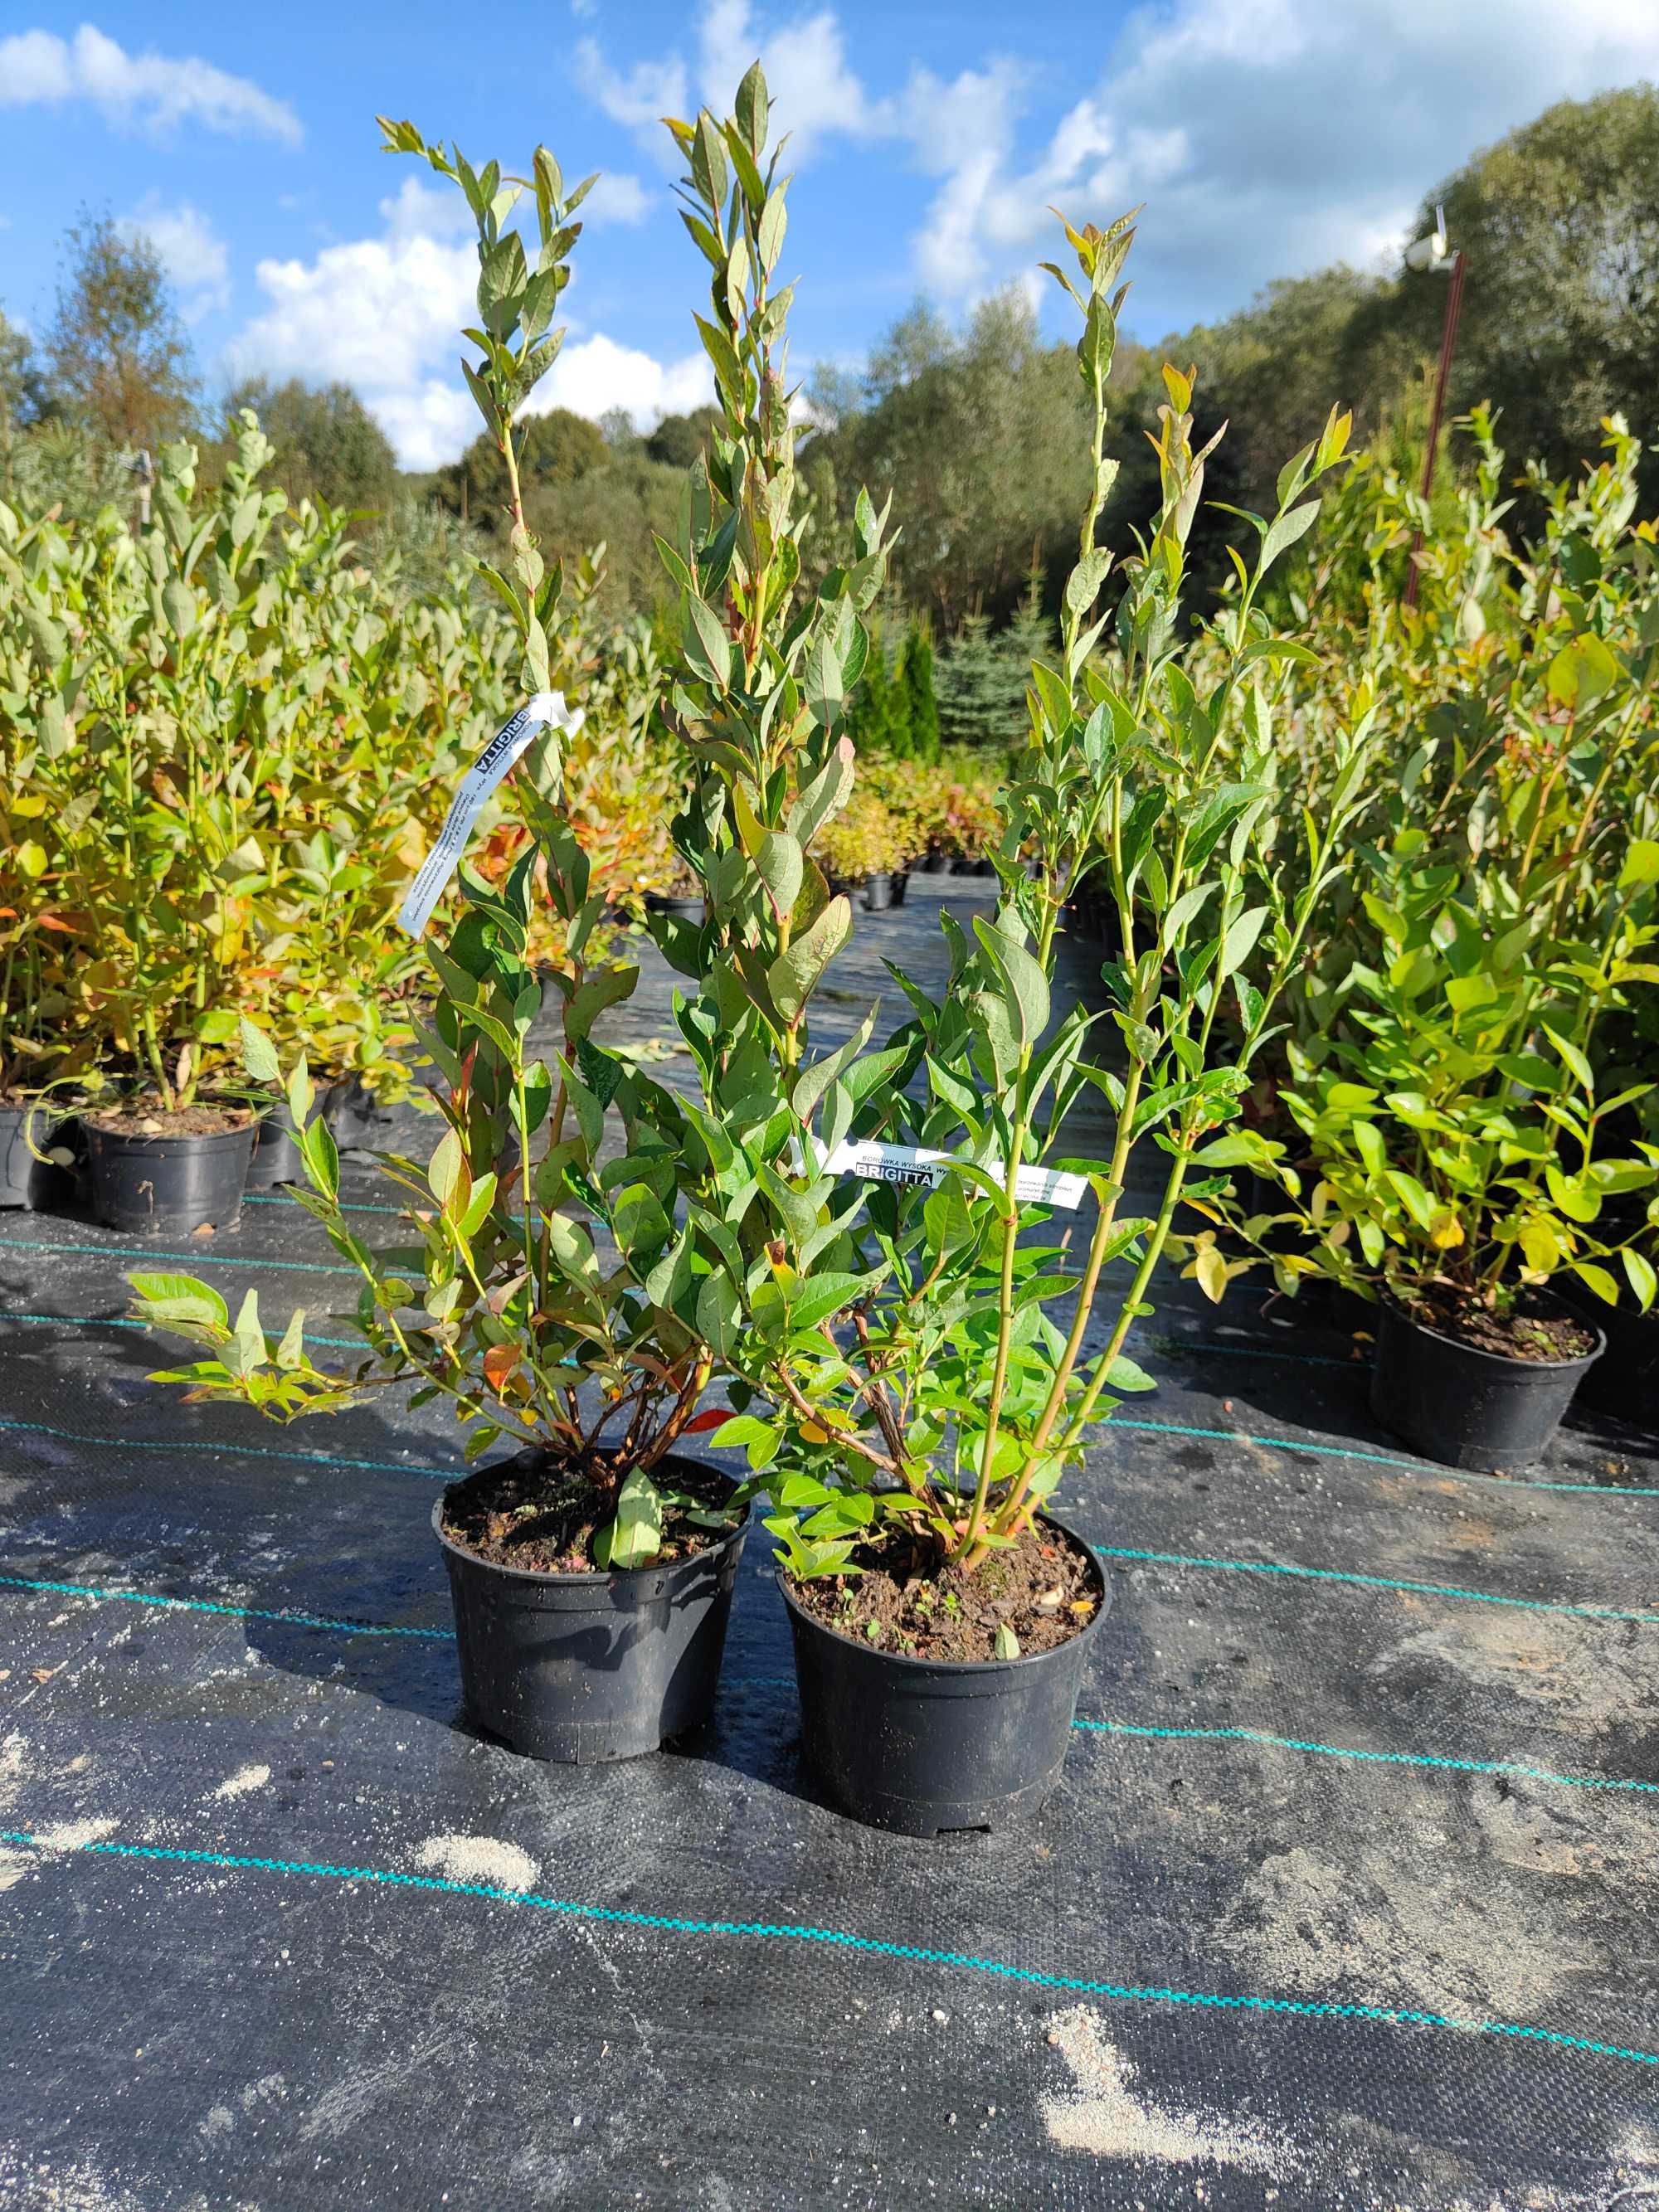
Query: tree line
973,431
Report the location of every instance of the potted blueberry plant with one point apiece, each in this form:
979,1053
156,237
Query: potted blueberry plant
546,1292
902,1389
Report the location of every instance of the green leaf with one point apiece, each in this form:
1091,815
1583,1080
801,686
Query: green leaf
708,646
1007,1644
1642,1278
794,974
824,1296
1582,671
258,1054
825,795
635,1535
1598,1280
179,604
1126,1375
180,1297
1026,987
1578,1066
1285,531
447,1167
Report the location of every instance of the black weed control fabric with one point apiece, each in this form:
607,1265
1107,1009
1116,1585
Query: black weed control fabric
1348,1899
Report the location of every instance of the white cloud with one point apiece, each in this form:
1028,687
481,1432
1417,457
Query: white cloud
192,252
815,93
38,67
1271,136
384,314
616,198
597,374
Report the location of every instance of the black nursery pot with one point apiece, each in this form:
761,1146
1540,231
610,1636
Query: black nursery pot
276,1156
878,893
585,1668
934,864
687,909
930,1747
357,1118
1460,1405
1625,1383
900,884
42,1186
162,1185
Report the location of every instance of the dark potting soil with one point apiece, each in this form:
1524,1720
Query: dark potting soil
540,1514
147,1118
1521,1334
1042,1587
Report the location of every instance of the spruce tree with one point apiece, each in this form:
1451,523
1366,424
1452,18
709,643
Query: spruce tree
916,683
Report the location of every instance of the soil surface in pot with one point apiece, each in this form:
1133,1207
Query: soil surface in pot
540,1514
1042,1587
1518,1335
146,1118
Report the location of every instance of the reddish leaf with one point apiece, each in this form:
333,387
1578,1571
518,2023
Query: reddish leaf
499,1363
716,1417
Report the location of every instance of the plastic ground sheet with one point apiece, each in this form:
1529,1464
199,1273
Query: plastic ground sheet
1348,1899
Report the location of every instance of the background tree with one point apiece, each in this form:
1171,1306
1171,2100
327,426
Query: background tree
1560,320
921,707
119,363
328,445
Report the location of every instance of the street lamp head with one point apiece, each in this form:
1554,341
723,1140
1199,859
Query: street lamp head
1432,253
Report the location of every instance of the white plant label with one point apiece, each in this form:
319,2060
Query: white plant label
910,1167
500,754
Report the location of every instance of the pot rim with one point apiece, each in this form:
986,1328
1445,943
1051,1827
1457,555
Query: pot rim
595,1578
903,1659
1390,1305
202,1137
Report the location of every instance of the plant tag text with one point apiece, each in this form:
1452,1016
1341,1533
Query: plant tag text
911,1167
500,755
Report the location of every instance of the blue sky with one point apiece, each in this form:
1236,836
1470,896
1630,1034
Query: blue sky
1265,136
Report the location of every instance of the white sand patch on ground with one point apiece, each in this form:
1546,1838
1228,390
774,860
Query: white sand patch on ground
245,1779
74,1835
478,1858
1101,2112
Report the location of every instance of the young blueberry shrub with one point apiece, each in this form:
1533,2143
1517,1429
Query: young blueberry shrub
544,1289
923,1425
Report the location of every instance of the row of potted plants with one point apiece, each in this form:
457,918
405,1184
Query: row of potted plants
842,1264
223,747
1460,1124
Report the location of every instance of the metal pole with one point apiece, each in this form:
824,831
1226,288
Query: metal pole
1448,340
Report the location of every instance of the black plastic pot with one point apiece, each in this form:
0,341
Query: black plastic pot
1461,1407
359,1121
587,1668
1625,1383
934,864
878,892
967,868
930,1748
276,1156
162,1185
687,909
43,1186
900,884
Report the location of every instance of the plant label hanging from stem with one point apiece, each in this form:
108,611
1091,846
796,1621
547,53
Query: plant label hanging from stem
912,1166
498,756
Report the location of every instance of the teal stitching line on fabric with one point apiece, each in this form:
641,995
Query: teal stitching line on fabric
297,1619
1380,1459
236,1612
839,1939
1378,1758
114,1320
197,1258
1375,1581
253,1198
244,1451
